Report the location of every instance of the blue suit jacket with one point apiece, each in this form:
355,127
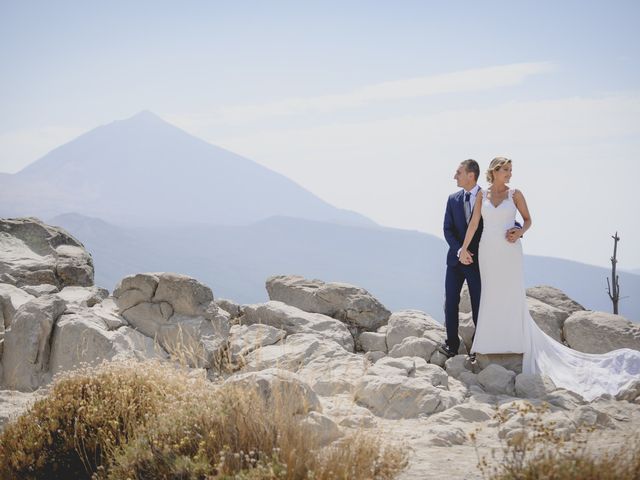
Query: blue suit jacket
455,229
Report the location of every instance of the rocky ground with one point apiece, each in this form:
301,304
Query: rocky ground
359,365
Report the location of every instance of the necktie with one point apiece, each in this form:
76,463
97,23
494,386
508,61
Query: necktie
467,206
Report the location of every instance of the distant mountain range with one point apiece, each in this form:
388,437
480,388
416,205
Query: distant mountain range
144,171
403,269
147,196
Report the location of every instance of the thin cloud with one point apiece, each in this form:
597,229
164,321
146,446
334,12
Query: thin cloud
454,82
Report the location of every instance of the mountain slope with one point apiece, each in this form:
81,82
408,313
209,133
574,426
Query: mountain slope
404,269
144,171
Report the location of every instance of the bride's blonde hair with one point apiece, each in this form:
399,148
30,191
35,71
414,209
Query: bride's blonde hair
496,164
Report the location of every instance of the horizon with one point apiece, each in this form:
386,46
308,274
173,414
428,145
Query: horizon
373,117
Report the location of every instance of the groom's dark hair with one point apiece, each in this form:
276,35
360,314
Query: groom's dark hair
472,166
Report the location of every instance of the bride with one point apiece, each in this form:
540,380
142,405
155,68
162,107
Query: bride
504,323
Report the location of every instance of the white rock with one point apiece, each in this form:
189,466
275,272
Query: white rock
445,435
510,361
402,397
333,374
467,328
465,413
533,386
554,297
374,356
39,290
319,427
550,319
11,298
456,365
107,310
83,296
178,311
279,388
294,320
348,303
246,338
26,346
469,378
438,358
589,416
373,341
631,393
600,332
465,300
82,338
414,347
410,323
564,399
497,379
406,388
230,306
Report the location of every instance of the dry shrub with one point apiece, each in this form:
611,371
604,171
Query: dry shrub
539,451
154,420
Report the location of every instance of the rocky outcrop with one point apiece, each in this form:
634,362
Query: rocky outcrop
33,253
25,359
177,311
354,306
600,332
294,320
554,297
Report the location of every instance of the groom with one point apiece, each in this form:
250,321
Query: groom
456,218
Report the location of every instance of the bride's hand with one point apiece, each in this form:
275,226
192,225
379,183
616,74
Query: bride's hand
465,257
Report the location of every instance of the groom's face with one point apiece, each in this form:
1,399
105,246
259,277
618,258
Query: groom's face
464,179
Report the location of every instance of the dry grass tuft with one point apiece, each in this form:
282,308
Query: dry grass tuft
153,420
539,451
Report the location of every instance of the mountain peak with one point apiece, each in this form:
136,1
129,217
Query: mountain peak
144,117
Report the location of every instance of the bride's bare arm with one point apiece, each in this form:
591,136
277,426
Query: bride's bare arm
521,205
471,229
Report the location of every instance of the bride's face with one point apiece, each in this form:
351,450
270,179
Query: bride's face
503,174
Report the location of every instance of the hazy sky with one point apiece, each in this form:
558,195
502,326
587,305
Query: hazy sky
369,104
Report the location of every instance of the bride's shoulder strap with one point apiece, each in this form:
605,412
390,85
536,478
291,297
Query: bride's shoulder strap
511,192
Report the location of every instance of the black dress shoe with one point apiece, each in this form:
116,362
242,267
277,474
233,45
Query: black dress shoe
444,349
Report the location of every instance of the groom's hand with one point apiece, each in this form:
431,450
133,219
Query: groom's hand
513,234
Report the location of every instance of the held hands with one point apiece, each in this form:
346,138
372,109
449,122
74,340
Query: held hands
465,257
513,234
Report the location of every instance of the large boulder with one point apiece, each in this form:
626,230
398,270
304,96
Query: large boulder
294,320
554,297
373,342
347,303
280,388
321,362
414,347
244,339
11,298
600,332
27,343
83,296
407,389
497,380
412,323
83,338
529,385
550,319
178,311
33,253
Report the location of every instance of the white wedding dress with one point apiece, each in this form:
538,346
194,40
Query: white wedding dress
505,325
